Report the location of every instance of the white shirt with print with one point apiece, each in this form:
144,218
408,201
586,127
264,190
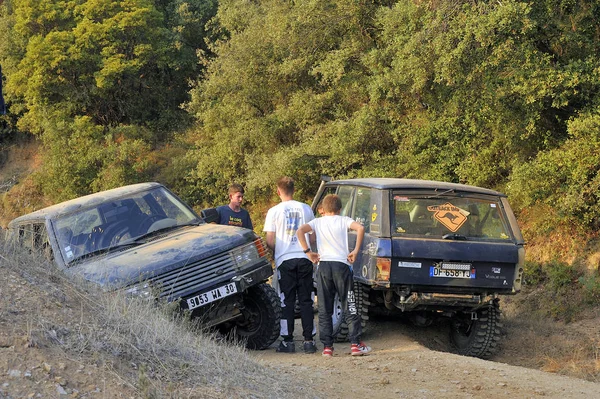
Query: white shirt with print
284,219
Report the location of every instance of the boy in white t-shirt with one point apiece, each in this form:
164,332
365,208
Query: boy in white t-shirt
334,274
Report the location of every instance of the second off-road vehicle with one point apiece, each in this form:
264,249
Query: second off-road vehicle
144,240
431,250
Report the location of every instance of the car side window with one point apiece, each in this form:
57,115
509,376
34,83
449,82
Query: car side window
346,194
26,236
362,210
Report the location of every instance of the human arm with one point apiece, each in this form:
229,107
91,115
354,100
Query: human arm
360,233
271,240
301,234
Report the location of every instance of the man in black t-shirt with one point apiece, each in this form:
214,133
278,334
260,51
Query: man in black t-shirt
233,214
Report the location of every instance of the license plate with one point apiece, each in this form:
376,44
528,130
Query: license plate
450,273
211,296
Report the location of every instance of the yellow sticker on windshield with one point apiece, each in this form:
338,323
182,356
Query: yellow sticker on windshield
449,215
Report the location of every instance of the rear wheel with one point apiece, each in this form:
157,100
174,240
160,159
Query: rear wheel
477,334
340,327
259,327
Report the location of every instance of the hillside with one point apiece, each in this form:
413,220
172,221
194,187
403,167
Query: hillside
62,340
58,339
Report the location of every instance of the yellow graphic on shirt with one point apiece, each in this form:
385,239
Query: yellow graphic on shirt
235,221
450,216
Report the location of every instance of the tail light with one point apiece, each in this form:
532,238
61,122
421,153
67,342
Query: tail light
384,266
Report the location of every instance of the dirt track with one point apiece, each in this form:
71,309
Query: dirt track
401,366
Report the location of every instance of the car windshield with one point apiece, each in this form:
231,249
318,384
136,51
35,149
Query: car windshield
118,221
448,217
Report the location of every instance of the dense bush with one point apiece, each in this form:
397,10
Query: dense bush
498,94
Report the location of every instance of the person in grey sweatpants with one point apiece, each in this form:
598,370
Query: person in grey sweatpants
334,274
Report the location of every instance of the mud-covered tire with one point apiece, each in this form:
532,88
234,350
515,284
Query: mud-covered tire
478,338
260,325
340,327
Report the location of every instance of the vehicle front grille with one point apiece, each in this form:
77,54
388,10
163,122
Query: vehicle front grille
194,276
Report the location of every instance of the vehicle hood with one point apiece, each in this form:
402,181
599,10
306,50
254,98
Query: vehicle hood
161,254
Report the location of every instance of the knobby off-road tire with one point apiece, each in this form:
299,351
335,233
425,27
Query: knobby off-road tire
477,338
340,327
259,327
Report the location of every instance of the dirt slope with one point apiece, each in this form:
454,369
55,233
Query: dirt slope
401,367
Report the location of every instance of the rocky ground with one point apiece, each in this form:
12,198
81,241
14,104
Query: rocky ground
401,366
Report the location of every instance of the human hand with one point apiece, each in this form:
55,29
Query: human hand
313,257
352,256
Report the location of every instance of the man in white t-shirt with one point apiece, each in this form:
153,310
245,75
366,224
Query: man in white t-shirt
334,275
294,269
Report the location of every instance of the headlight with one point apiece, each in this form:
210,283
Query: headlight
245,255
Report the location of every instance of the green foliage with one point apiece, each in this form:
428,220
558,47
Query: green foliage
533,273
567,177
118,71
591,288
455,91
498,94
561,277
83,157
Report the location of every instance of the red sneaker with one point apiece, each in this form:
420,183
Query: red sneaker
359,349
328,351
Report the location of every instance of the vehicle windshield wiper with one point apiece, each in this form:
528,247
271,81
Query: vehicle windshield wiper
454,236
138,239
99,251
440,194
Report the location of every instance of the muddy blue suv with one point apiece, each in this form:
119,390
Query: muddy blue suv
433,250
143,239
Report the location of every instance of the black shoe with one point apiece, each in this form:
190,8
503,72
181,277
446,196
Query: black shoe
310,347
286,347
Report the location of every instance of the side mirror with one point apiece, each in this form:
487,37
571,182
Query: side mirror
210,215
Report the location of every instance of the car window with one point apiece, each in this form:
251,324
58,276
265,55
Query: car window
362,210
436,217
25,235
346,194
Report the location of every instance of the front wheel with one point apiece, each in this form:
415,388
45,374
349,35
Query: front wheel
260,325
477,334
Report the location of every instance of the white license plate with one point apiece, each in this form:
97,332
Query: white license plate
211,296
439,272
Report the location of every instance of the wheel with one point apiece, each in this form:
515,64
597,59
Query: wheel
340,327
260,325
479,337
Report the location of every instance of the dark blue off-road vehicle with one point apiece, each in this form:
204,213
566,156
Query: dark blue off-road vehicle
143,239
431,250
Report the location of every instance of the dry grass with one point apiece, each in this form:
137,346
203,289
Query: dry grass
536,340
149,346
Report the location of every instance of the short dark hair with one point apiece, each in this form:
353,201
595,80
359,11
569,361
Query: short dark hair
285,184
332,203
236,188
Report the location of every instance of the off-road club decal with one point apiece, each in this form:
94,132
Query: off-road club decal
449,215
